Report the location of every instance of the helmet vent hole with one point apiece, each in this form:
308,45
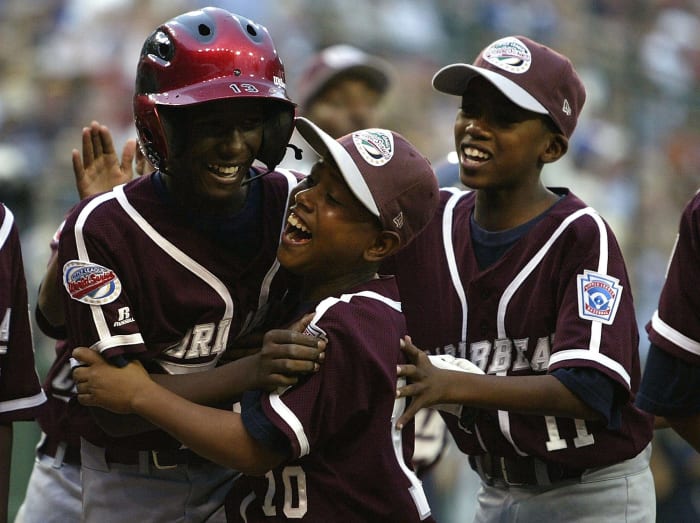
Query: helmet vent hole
251,30
164,51
237,72
204,30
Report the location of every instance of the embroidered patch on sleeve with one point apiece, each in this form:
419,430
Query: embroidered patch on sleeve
598,296
91,283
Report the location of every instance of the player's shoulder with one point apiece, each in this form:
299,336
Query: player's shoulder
375,299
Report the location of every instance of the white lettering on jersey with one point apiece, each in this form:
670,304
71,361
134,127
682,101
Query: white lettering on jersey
62,383
540,357
5,331
504,354
520,362
501,356
124,316
202,340
479,353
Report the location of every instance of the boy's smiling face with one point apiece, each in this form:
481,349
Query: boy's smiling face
500,144
328,229
212,156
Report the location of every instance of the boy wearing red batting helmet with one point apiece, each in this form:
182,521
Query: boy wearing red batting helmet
174,267
528,283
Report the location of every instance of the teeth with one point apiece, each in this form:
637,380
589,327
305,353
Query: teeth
471,152
296,222
224,170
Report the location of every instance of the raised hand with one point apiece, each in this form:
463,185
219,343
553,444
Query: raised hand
99,168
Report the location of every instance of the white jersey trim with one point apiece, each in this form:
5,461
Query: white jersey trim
292,182
585,354
97,314
676,337
291,419
6,226
23,403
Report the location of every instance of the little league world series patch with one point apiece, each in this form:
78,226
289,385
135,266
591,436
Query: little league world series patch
91,283
598,296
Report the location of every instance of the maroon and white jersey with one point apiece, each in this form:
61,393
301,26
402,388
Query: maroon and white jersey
348,461
20,391
142,281
675,326
560,298
58,383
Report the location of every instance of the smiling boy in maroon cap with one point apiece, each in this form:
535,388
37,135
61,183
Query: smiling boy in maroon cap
326,449
529,284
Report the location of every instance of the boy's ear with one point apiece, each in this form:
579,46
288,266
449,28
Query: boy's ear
556,148
385,244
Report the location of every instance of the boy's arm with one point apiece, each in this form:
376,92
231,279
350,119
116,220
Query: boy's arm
217,435
285,356
430,385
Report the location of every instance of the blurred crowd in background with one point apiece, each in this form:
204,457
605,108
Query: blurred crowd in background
635,155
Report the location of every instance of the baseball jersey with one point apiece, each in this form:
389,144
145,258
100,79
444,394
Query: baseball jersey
348,462
558,299
147,279
21,394
58,383
672,373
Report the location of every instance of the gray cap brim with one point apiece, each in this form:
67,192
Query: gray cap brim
453,79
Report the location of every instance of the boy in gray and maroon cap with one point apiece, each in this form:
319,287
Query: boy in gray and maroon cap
529,284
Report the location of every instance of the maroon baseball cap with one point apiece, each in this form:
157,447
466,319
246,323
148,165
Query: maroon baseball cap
530,74
389,176
341,60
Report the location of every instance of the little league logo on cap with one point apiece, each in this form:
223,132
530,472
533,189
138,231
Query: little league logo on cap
376,146
531,75
509,54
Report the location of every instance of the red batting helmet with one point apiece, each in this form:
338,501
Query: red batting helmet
206,55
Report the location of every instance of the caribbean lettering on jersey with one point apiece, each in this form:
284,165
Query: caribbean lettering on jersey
503,355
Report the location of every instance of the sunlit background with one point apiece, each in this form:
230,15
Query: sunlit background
635,155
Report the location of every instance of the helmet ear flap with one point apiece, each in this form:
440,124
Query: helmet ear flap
277,132
151,134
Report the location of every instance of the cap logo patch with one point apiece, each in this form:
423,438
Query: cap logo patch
598,296
509,54
376,146
91,283
566,108
398,220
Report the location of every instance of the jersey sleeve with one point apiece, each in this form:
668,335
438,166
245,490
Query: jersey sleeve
675,326
92,271
20,391
596,326
669,385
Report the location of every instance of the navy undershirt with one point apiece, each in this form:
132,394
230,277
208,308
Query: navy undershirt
594,388
242,229
671,384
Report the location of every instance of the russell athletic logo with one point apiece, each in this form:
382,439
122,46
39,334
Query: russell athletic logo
598,296
91,283
376,146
